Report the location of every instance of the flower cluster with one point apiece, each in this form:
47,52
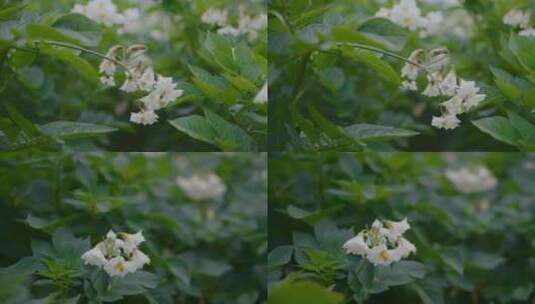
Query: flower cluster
118,254
407,14
140,76
442,81
472,179
520,19
205,187
247,24
383,243
105,12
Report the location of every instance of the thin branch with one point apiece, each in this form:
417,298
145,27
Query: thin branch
75,47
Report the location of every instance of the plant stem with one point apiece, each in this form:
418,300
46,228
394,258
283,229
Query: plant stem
79,48
390,54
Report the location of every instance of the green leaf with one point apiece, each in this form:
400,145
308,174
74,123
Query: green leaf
302,293
498,127
280,256
72,129
195,126
80,64
376,132
523,47
11,12
80,27
27,126
214,87
509,85
453,258
385,32
45,32
229,136
371,59
524,128
213,268
326,126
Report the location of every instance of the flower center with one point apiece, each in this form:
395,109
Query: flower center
384,254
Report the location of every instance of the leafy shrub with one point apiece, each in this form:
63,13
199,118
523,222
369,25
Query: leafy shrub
472,227
336,75
202,249
51,95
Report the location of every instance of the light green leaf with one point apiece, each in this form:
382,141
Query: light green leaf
376,132
80,64
229,136
523,47
72,129
523,127
80,27
383,68
195,126
385,32
498,127
45,32
11,12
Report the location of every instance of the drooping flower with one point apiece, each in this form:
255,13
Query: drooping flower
118,254
472,179
202,187
442,80
140,76
382,244
517,18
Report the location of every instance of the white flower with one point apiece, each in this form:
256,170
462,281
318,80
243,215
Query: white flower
101,11
145,117
472,179
404,248
132,241
449,85
116,267
146,81
407,14
380,245
107,67
108,81
204,187
215,16
129,85
262,95
94,257
118,254
410,70
397,229
409,85
529,32
454,106
357,245
516,17
447,122
468,92
439,59
433,85
167,89
380,255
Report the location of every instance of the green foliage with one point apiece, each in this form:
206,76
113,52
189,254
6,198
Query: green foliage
469,245
57,206
49,58
340,58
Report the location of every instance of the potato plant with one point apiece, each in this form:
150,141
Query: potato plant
470,217
417,75
201,219
151,75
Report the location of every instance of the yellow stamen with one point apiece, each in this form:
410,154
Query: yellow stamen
120,267
384,254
